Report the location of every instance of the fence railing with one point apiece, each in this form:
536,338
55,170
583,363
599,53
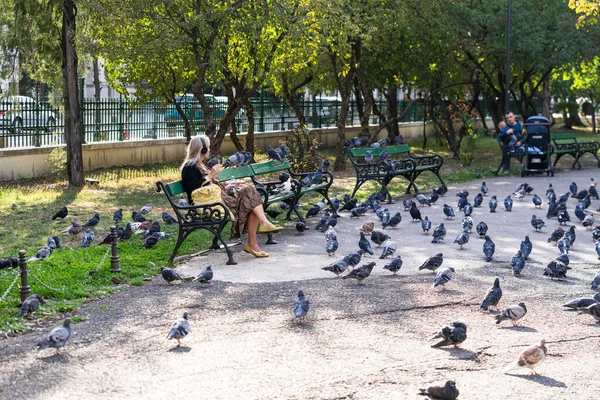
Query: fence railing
25,122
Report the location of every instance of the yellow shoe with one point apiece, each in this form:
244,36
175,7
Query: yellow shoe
266,229
260,254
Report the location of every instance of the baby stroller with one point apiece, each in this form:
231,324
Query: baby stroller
537,147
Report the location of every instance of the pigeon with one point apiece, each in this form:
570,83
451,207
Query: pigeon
463,193
579,212
433,197
57,337
154,228
489,248
593,192
446,392
145,209
466,224
484,189
300,227
301,307
213,161
53,242
127,232
326,165
442,190
143,227
563,216
422,199
530,358
399,139
588,221
478,200
537,201
313,211
349,204
108,239
426,225
181,203
337,267
384,216
582,302
407,203
169,275
597,247
385,141
481,229
537,223
586,202
517,263
556,269
383,155
462,239
508,203
453,334
570,234
118,215
493,203
364,244
137,217
513,313
317,177
564,245
433,263
360,273
367,226
74,229
394,265
88,238
556,235
389,248
550,191
378,237
357,212
179,329
462,202
468,209
596,282
273,154
396,218
519,194
232,161
204,276
353,259
573,189
526,247
151,241
168,218
41,254
62,213
31,305
271,212
92,222
492,297
368,157
593,310
439,233
596,234
448,211
444,276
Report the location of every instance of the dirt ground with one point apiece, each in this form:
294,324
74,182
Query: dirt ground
359,342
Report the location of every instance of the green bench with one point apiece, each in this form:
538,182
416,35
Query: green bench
508,153
404,165
567,144
211,217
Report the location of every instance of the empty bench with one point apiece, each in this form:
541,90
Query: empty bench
399,162
567,144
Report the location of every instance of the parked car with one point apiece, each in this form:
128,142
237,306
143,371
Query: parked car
193,109
20,113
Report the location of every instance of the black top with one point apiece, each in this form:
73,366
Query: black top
191,179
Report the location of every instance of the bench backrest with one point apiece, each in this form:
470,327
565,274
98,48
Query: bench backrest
392,150
563,136
174,188
235,173
269,167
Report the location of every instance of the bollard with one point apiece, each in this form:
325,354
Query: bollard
114,257
25,289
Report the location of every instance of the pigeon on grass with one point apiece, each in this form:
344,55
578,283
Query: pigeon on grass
30,305
62,213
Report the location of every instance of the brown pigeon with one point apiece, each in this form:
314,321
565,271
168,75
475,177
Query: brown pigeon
530,358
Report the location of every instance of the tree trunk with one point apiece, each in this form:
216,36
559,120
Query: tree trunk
391,98
545,97
251,125
73,123
340,157
97,88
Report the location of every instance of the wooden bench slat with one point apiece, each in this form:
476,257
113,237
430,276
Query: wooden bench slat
174,188
235,173
269,167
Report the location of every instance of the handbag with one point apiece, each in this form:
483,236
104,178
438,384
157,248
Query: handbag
209,194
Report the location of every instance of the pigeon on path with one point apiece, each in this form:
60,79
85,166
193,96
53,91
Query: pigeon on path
443,276
415,213
526,247
582,302
508,203
593,310
394,265
426,225
481,229
57,337
492,297
395,220
439,233
433,263
169,275
513,313
537,223
364,244
596,282
446,392
301,307
389,248
452,334
478,200
517,263
361,273
530,358
378,237
179,329
489,248
62,213
337,267
204,276
537,201
448,211
462,239
493,204
484,189
353,259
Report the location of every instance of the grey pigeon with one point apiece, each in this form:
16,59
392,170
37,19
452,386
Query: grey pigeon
415,213
593,192
596,282
399,139
537,223
556,269
526,247
300,227
467,224
378,237
489,248
88,238
478,200
353,259
57,337
53,242
433,197
313,211
446,392
484,189
588,221
364,244
301,307
556,235
169,275
443,276
383,155
357,212
168,218
395,220
597,247
74,229
481,229
92,222
433,263
573,188
442,189
564,244
325,165
448,211
422,199
213,161
426,225
508,203
41,254
179,329
537,201
407,203
137,217
181,203
439,233
273,154
337,267
493,204
462,202
513,313
62,213
452,334
517,263
549,191
145,209
394,265
492,296
389,248
127,232
570,234
118,215
361,273
31,305
151,241
204,276
462,239
349,204
596,234
593,310
368,157
232,161
579,213
468,209
154,228
582,302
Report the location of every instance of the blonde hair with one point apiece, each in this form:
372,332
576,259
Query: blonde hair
194,155
501,125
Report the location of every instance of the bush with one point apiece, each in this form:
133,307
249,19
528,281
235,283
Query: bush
57,160
303,146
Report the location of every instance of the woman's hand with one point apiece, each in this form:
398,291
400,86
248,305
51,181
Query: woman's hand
212,173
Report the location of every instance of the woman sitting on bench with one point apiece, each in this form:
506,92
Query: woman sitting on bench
244,203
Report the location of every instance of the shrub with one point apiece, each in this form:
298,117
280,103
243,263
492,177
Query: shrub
57,160
303,146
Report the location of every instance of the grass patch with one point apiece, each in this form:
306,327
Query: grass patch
26,208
